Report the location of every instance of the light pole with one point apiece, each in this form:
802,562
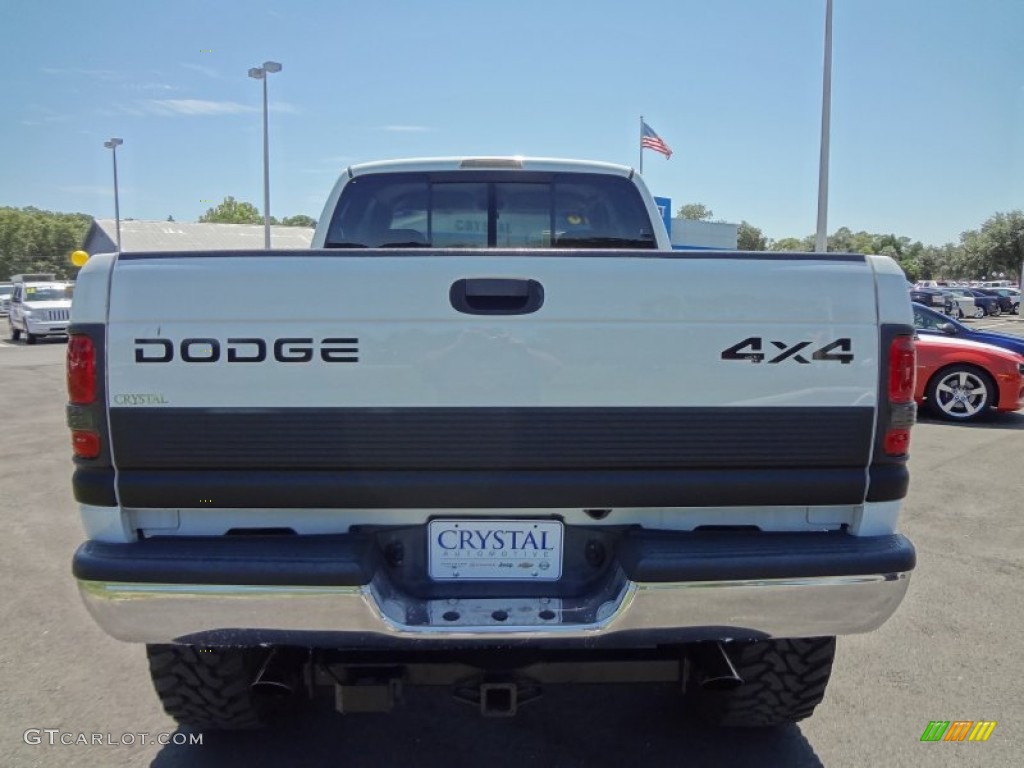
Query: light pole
821,235
260,73
112,145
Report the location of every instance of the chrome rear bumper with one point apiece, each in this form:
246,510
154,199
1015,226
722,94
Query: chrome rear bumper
347,590
332,615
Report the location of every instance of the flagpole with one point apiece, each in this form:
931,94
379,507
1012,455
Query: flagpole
641,145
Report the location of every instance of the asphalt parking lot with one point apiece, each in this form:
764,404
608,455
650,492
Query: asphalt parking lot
953,651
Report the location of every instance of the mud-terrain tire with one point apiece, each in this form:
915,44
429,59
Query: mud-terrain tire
783,681
209,688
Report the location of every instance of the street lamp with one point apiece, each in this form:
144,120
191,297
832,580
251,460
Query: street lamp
260,73
112,145
821,234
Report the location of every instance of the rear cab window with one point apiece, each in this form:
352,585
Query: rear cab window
469,209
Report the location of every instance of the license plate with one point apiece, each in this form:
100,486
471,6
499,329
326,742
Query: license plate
502,550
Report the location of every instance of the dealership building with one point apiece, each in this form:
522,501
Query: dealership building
693,235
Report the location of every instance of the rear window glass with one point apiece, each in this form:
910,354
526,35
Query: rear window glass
462,210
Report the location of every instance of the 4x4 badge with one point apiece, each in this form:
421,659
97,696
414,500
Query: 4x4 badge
752,350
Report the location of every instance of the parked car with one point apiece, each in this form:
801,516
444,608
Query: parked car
936,298
40,306
983,305
931,323
960,380
1013,295
962,306
1005,302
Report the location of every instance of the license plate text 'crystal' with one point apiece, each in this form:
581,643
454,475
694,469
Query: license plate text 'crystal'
509,550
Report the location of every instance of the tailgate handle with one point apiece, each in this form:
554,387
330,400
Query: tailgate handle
496,296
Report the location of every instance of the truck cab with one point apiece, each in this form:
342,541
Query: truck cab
490,203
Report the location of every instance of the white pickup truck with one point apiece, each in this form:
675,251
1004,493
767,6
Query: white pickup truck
491,432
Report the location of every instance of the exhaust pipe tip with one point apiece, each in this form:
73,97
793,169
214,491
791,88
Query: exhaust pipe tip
726,683
715,670
272,687
277,676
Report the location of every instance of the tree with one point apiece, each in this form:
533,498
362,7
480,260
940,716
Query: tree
750,238
928,263
170,218
845,240
973,254
954,260
299,220
793,244
231,211
1003,243
33,240
695,212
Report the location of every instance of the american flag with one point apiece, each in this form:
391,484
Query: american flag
650,140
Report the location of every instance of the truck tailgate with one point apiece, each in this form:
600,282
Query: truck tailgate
327,378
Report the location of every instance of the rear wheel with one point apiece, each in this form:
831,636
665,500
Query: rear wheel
979,312
996,310
961,392
783,681
211,688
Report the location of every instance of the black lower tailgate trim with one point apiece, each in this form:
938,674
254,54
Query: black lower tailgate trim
490,489
491,438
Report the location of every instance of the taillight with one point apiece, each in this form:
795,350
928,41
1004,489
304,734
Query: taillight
897,441
902,367
86,444
902,411
81,373
81,370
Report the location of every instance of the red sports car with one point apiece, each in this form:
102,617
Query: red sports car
960,379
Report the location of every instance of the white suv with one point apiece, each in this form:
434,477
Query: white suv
39,307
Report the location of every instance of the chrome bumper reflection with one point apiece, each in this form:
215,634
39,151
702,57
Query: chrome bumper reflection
44,327
806,607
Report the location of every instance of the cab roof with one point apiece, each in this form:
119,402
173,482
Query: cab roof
511,163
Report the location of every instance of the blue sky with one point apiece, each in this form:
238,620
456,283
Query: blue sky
927,113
